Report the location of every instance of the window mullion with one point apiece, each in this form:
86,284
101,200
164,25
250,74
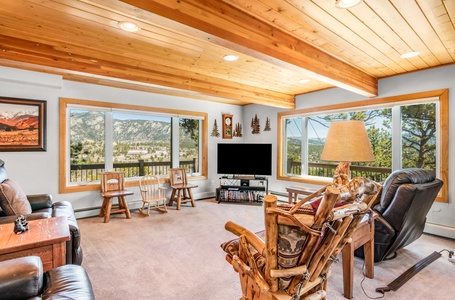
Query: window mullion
175,139
109,141
305,147
396,138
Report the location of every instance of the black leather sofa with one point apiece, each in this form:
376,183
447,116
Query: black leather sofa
407,196
23,278
42,206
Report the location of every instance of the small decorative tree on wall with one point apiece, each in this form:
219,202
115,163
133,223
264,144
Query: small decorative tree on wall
255,126
238,130
267,125
215,131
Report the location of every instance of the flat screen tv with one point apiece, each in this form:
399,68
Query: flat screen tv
244,159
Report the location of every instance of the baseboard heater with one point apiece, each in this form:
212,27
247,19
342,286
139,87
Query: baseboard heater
133,205
403,278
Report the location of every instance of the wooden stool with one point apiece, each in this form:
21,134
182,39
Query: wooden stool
113,186
181,189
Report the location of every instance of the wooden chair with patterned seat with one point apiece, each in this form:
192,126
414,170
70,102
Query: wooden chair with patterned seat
181,189
299,244
152,193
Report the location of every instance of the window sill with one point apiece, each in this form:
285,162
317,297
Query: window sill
129,182
307,179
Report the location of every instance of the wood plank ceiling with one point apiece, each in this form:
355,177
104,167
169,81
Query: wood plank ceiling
179,47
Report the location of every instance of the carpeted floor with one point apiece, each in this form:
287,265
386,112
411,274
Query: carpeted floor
177,256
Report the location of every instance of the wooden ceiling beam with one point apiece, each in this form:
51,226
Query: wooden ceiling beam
233,28
197,85
118,83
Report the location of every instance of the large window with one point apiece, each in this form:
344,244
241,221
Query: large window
303,155
405,132
139,141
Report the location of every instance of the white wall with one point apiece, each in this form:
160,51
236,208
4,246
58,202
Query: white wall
38,172
441,220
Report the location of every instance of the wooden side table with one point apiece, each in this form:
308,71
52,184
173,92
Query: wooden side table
45,238
295,191
363,235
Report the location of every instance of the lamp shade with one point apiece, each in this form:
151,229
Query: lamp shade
347,141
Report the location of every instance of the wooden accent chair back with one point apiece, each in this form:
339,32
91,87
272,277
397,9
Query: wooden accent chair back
113,186
112,181
291,259
181,189
152,193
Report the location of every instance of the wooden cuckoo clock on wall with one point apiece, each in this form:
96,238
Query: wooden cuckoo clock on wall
227,126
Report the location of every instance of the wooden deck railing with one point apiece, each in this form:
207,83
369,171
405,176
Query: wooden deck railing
90,172
326,170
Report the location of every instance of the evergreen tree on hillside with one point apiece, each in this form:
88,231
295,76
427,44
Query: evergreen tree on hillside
418,136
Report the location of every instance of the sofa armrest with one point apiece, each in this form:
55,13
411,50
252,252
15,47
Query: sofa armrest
29,217
65,208
21,278
74,253
67,282
40,201
384,232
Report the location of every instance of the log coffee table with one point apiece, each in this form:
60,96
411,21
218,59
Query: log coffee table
45,238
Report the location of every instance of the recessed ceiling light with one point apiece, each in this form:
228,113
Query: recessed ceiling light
410,54
347,3
304,80
230,57
128,26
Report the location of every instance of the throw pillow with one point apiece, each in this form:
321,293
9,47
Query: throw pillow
232,248
13,200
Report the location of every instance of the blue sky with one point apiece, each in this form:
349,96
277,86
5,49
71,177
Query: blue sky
315,129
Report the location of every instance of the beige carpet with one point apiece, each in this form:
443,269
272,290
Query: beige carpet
177,256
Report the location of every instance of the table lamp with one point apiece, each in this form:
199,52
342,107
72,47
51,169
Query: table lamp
346,142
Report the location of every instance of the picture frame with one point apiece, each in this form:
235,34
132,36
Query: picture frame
22,124
227,126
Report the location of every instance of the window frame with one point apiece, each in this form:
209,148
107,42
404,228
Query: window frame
441,96
65,187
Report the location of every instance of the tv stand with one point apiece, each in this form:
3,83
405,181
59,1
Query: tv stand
242,189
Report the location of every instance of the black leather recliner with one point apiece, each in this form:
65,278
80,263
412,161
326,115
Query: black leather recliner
23,278
407,196
43,207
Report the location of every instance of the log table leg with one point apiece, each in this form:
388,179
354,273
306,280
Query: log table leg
348,270
363,235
